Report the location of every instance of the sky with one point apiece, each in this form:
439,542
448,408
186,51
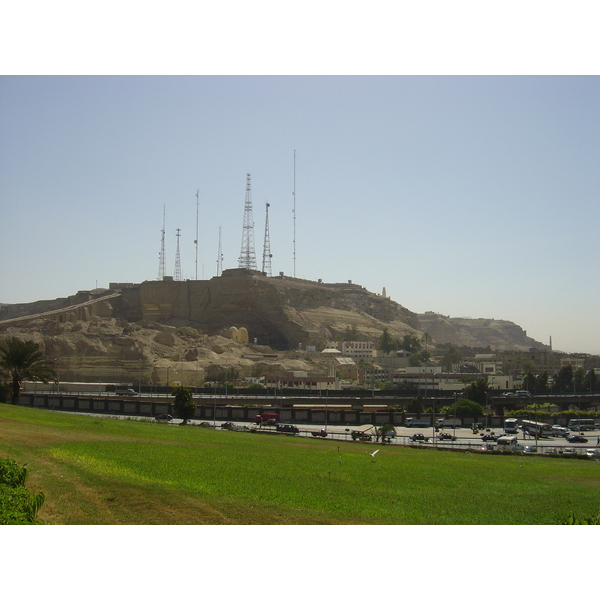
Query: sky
464,195
462,178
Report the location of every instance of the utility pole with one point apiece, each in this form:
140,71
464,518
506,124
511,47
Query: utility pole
196,240
247,258
161,256
219,256
294,211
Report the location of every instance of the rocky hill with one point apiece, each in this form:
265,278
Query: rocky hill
477,333
182,330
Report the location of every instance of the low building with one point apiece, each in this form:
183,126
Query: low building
352,349
301,380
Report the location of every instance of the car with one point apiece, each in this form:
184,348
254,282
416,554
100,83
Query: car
164,417
227,425
361,435
558,431
287,428
446,436
593,452
569,451
418,437
523,394
490,437
577,439
529,450
486,447
509,394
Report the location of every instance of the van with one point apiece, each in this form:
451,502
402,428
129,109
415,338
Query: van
507,440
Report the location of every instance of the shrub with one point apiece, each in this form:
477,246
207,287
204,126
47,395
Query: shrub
18,506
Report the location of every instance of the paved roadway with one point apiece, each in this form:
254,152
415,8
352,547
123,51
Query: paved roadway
466,439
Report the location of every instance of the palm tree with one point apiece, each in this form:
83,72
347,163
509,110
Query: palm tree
22,359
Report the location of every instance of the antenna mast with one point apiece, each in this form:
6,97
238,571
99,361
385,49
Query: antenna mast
196,240
294,211
177,275
161,256
266,264
219,257
247,258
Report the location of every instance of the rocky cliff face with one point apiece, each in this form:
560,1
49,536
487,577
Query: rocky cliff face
280,312
175,329
477,333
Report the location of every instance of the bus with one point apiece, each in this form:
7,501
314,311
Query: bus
510,425
582,424
537,428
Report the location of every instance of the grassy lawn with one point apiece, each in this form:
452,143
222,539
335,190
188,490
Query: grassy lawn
105,471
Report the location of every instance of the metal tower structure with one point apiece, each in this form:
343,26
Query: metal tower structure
266,263
161,257
219,257
247,258
177,274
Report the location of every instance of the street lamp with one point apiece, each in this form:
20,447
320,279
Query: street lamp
55,361
140,379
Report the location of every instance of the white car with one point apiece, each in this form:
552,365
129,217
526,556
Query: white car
558,431
593,452
530,450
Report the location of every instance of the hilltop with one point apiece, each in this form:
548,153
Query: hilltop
186,329
477,333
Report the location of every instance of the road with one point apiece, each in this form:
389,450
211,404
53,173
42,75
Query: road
465,438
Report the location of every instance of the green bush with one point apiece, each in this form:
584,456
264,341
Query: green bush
18,506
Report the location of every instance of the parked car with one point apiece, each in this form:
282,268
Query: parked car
164,417
418,437
287,428
569,451
446,436
577,439
593,452
529,450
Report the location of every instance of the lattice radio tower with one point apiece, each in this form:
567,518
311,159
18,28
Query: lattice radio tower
177,274
247,258
161,257
266,264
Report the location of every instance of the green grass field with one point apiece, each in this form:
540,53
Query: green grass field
97,470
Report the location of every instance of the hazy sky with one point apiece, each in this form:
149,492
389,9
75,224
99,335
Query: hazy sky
468,196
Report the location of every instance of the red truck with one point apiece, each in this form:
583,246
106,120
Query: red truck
267,419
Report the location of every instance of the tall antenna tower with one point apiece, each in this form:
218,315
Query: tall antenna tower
294,211
266,264
196,240
177,274
247,258
219,257
161,257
